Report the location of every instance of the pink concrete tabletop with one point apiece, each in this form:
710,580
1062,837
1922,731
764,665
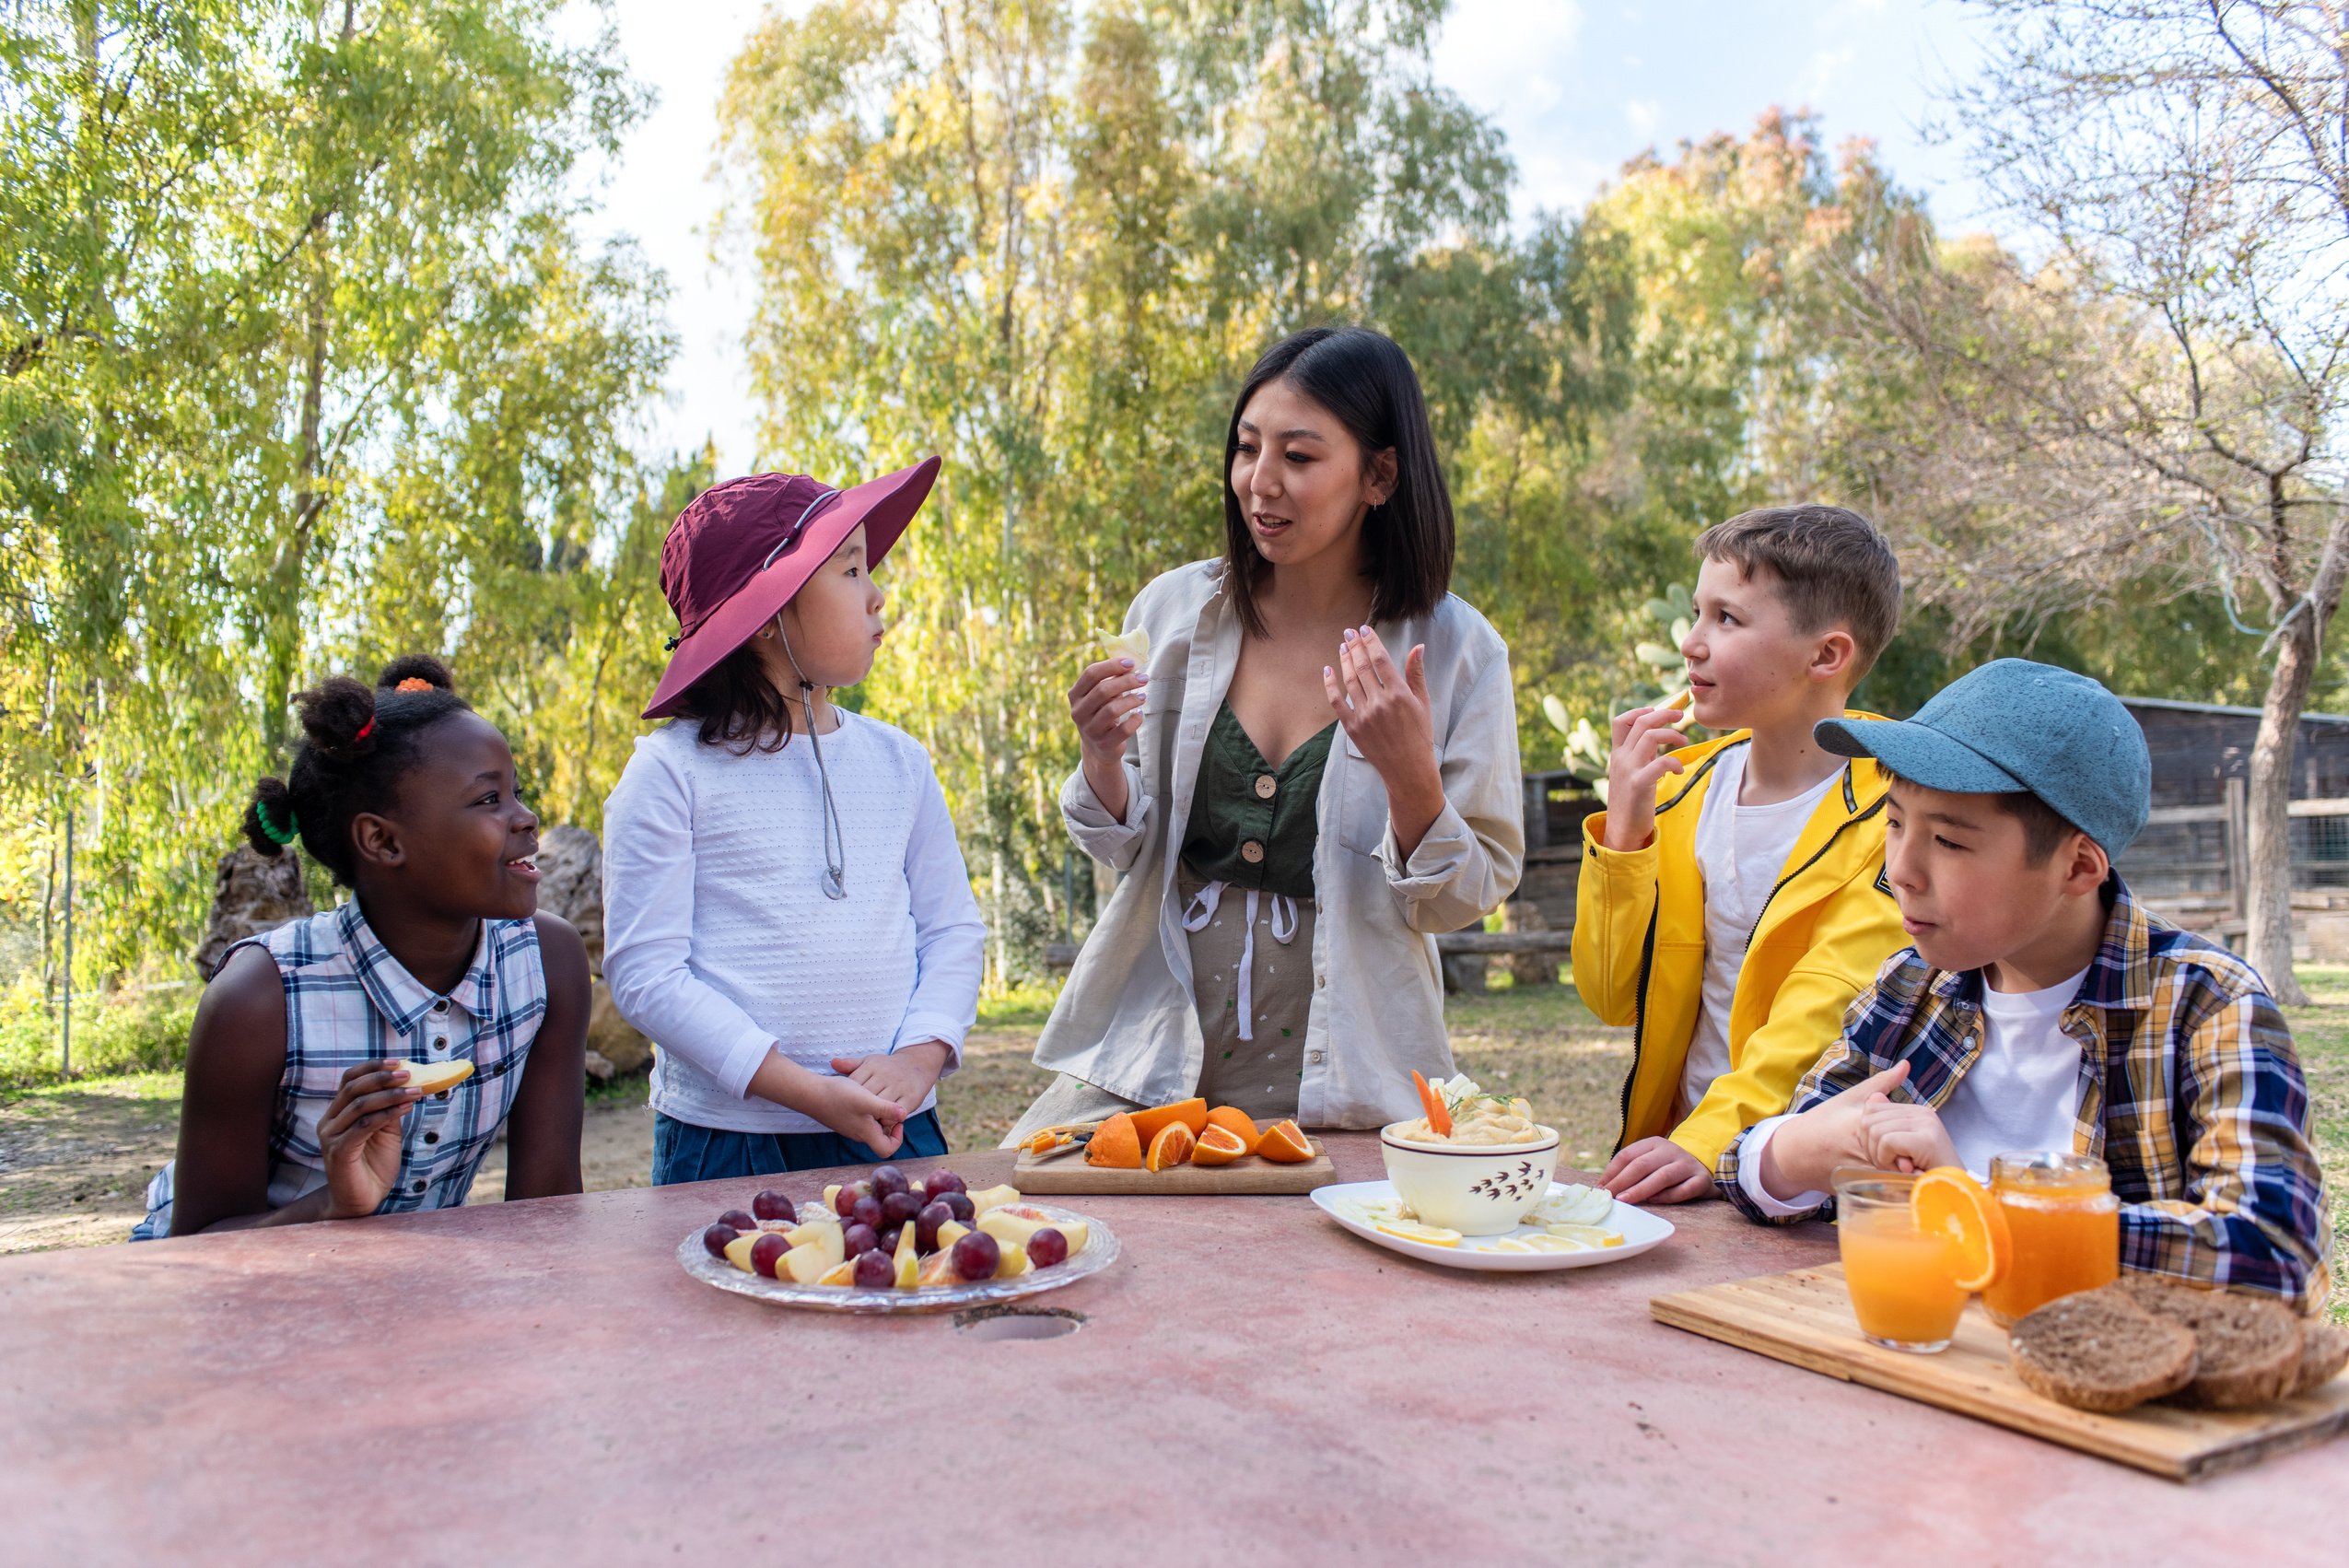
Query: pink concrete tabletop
541,1383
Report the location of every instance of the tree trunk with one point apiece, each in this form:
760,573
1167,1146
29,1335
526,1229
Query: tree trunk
2268,903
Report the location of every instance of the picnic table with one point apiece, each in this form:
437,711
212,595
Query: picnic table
539,1381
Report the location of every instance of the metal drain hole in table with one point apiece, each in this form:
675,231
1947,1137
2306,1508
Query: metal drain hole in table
1016,1323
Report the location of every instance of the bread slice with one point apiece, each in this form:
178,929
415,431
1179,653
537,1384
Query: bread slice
432,1077
2247,1348
2324,1350
2100,1351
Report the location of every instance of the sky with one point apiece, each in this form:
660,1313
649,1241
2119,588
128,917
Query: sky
1577,86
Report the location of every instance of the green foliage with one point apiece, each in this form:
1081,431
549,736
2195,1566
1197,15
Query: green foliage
112,1035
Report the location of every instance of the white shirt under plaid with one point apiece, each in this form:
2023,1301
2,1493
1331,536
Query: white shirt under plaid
348,1001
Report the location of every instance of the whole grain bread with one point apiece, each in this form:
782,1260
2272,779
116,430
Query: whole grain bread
2324,1350
2247,1348
2100,1350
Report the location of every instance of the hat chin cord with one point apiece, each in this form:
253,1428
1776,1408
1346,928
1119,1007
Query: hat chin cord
835,855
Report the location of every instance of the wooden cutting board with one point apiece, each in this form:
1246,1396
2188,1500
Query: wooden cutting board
1250,1172
1806,1318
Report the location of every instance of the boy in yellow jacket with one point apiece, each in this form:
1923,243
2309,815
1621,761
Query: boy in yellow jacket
1733,900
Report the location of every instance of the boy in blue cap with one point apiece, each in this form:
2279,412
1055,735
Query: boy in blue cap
2039,1006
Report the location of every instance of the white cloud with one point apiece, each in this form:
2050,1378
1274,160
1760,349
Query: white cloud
1643,115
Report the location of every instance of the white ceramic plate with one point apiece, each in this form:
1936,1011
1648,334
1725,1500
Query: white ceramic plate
1101,1251
1345,1202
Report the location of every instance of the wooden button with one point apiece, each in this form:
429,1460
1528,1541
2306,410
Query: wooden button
1252,852
1266,785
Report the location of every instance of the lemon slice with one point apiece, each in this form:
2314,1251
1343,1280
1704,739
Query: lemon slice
1587,1235
1432,1235
1512,1243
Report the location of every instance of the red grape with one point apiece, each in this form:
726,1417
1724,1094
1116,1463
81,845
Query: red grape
889,1240
887,1179
939,1182
960,1202
868,1211
717,1236
859,1239
976,1255
738,1220
844,1200
766,1251
772,1205
874,1271
925,1224
1047,1247
899,1207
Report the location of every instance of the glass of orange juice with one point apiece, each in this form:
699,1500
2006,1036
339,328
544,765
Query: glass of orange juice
2066,1228
1900,1278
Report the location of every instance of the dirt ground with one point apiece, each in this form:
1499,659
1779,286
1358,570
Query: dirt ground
74,1160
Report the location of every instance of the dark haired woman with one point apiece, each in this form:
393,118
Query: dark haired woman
298,1102
1295,807
786,912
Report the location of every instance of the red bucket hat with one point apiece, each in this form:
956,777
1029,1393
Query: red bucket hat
741,549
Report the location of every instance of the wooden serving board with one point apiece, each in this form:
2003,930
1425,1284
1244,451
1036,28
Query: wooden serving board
1806,1318
1250,1172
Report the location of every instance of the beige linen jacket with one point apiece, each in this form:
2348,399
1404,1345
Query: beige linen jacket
1125,1021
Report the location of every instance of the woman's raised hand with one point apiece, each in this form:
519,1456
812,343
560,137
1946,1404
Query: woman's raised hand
1107,703
359,1136
1386,714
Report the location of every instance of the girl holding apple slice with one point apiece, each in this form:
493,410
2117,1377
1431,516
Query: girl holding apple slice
1311,771
316,1045
787,913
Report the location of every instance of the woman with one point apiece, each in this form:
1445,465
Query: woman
1294,810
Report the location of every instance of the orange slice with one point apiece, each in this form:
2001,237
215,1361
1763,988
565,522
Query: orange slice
1116,1144
1218,1145
1172,1147
1149,1124
1285,1143
1439,1115
1948,1202
1236,1122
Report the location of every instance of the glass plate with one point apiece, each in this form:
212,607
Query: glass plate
1101,1251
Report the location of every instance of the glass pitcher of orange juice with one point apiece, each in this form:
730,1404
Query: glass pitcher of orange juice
2065,1224
1899,1277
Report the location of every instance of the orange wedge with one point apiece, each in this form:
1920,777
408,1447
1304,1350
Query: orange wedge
1218,1145
1439,1115
1236,1122
1172,1147
1285,1143
1948,1202
1116,1144
1149,1124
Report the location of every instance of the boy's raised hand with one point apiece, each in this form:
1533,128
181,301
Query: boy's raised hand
1644,739
1656,1170
1802,1156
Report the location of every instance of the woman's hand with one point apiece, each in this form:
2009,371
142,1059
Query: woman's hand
359,1136
1386,714
1105,721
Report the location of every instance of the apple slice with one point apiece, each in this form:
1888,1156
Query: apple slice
1013,1262
949,1232
908,1259
805,1264
1133,645
832,1199
738,1251
994,1197
433,1077
827,1239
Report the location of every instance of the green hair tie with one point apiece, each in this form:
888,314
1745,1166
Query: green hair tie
280,835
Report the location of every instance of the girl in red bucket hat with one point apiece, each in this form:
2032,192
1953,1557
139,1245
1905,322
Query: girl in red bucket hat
787,913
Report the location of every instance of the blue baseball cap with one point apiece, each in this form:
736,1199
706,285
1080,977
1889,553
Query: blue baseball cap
2012,727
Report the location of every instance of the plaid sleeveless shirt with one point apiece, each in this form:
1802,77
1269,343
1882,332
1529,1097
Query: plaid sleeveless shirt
348,1001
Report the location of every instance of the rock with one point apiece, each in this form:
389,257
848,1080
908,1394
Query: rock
612,1037
599,1069
252,893
571,884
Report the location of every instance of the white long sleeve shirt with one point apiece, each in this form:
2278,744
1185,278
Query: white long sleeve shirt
720,945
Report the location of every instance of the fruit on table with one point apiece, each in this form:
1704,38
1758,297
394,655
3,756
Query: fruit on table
938,1269
738,1220
867,1211
899,1207
858,1240
1190,1113
738,1251
1170,1148
959,1205
843,1198
1238,1123
832,1199
887,1179
925,1226
1021,1223
1947,1201
767,1251
1285,1143
825,1239
949,1234
889,1236
994,1197
939,1183
907,1261
1047,1247
807,1264
1013,1262
874,1270
717,1236
838,1274
772,1205
1217,1146
1117,1144
976,1255
1411,1230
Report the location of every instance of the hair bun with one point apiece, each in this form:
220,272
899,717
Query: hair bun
269,817
415,671
339,718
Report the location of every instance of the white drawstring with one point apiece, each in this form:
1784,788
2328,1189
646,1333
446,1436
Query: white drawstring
1203,906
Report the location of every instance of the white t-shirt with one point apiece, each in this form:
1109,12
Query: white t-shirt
1741,853
2022,1093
